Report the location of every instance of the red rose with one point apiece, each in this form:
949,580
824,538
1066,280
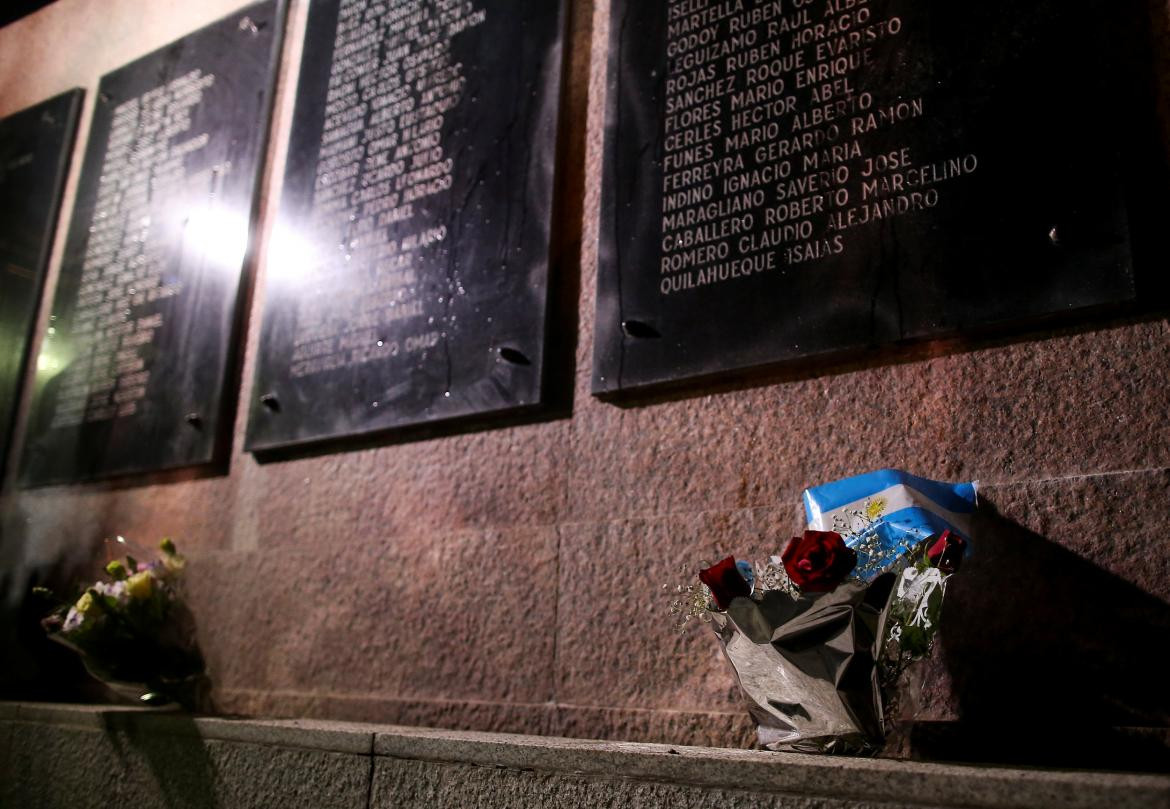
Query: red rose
947,553
818,561
725,582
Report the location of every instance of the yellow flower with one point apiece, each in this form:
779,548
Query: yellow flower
85,604
140,585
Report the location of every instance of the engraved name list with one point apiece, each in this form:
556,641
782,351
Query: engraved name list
769,155
787,179
134,365
123,273
411,218
391,82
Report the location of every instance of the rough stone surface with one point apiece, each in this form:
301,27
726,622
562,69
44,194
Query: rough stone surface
314,735
7,763
335,737
713,728
509,579
409,784
161,761
1068,405
733,728
1049,629
67,757
836,779
1107,521
414,783
170,772
430,616
91,717
62,766
500,717
615,632
1080,557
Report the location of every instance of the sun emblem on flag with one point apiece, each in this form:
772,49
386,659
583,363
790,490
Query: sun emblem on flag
875,508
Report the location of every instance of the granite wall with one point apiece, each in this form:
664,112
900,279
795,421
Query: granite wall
74,757
509,579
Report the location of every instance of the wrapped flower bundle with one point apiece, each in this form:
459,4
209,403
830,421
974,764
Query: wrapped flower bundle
815,634
133,631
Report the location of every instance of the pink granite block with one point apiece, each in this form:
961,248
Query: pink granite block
617,643
455,616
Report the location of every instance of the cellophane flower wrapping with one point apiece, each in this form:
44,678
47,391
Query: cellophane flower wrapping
815,657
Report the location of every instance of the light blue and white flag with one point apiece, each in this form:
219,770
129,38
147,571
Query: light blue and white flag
888,512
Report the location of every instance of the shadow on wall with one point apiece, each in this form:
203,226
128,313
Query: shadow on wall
1054,661
34,667
163,755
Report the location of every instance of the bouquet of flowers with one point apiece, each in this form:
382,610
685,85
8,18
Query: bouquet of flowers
133,631
818,633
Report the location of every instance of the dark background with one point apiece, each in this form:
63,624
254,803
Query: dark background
13,10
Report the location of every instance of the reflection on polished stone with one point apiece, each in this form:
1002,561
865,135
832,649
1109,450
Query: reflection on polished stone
35,145
408,276
134,369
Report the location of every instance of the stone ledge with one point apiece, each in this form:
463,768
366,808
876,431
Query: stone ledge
441,756
759,771
303,734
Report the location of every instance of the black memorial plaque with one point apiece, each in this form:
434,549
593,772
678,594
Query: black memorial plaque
35,145
407,279
133,370
791,179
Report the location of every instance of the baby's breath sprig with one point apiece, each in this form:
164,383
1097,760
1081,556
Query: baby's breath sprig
692,600
771,575
855,521
856,526
874,558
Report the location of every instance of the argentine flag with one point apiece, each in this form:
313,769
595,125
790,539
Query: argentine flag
897,508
